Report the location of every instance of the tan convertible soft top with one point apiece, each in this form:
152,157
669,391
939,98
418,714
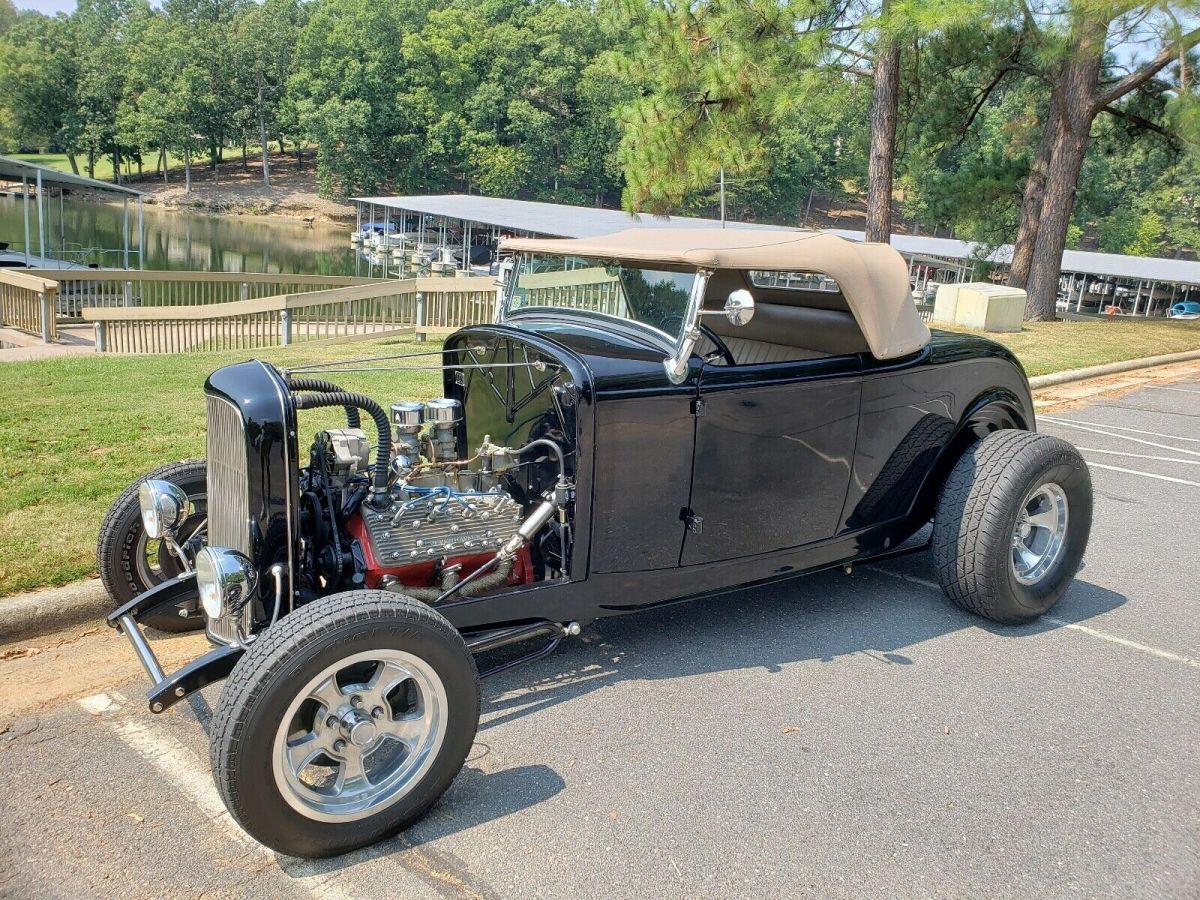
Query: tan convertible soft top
873,277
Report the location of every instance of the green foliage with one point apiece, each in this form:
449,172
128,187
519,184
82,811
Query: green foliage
37,72
1147,236
8,15
640,102
720,85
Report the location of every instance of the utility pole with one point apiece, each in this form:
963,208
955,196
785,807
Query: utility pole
722,196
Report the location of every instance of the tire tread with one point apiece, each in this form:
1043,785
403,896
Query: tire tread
972,522
256,670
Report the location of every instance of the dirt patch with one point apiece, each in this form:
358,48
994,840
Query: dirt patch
77,662
238,189
1080,393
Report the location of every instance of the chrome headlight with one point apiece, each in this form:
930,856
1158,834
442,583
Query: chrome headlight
164,507
226,580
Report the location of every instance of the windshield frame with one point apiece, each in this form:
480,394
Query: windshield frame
670,343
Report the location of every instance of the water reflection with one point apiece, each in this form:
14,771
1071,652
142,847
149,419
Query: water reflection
185,240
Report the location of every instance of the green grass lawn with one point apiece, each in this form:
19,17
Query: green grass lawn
103,164
74,431
149,161
1045,347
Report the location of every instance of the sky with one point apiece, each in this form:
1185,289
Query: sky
49,7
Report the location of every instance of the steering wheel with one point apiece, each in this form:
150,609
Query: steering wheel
671,324
720,344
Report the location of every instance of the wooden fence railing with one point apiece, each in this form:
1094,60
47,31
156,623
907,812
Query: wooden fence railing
357,310
91,289
28,303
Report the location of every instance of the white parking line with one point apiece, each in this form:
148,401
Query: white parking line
1096,465
1062,623
1159,387
1123,437
1132,645
1174,437
1170,459
187,774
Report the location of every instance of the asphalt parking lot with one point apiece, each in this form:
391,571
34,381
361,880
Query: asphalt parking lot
840,735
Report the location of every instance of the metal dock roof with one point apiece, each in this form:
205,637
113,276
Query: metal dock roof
561,220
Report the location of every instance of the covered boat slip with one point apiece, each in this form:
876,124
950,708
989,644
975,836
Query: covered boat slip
43,243
1090,282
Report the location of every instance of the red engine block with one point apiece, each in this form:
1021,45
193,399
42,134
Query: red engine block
421,574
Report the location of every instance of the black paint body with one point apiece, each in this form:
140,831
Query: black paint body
269,420
791,467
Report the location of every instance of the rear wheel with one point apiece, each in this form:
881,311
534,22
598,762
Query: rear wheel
131,562
344,723
1012,525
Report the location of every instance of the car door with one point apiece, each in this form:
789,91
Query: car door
774,450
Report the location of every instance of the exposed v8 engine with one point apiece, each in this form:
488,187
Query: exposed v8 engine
439,519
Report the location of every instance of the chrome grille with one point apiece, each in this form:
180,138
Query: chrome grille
228,497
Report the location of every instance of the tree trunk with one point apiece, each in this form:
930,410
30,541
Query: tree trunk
1031,203
162,161
187,169
1077,109
91,163
245,165
262,137
884,104
216,164
74,164
116,161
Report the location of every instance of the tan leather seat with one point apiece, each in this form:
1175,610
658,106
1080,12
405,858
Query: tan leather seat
779,333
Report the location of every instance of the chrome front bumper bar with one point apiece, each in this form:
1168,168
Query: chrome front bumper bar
167,690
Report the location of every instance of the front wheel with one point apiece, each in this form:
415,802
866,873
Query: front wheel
1012,524
344,722
131,562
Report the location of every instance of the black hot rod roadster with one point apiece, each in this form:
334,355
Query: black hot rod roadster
656,414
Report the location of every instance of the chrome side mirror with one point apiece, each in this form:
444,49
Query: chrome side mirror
739,308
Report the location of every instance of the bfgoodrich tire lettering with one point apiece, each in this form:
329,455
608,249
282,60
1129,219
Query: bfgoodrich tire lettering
122,541
980,511
262,690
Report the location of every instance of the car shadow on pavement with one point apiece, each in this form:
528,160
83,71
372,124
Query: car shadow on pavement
476,797
886,611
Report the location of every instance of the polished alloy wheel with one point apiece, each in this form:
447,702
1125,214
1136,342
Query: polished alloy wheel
360,735
1040,533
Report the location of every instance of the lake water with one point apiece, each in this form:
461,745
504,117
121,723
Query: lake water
187,240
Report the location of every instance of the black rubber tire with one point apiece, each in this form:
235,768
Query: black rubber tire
290,653
118,539
978,511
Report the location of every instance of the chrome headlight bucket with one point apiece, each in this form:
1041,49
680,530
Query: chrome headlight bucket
226,580
164,507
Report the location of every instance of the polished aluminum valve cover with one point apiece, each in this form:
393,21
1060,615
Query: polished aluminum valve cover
450,524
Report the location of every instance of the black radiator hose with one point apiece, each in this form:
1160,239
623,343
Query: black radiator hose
321,386
383,451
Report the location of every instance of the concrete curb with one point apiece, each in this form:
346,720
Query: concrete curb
40,612
1149,362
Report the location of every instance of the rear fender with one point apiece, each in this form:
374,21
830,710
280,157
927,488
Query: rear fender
993,410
